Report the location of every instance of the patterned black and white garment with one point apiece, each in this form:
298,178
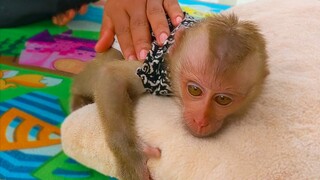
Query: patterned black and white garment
153,72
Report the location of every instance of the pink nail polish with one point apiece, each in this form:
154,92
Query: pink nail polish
163,37
178,20
132,57
143,54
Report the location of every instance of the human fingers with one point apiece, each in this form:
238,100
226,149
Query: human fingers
63,18
116,10
174,11
58,19
140,30
68,16
106,35
55,20
158,21
105,41
123,33
83,9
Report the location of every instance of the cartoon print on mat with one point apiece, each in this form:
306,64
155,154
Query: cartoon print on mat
201,9
11,79
68,168
21,130
30,120
10,46
30,146
29,133
46,50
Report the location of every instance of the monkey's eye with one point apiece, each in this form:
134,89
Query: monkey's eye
222,99
194,89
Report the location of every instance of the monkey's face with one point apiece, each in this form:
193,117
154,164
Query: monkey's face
217,68
209,99
205,108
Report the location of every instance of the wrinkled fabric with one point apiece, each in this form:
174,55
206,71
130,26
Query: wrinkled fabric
154,72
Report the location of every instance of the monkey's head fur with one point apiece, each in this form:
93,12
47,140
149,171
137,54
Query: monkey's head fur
217,67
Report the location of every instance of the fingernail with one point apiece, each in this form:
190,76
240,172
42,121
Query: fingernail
163,37
178,20
143,54
132,57
98,45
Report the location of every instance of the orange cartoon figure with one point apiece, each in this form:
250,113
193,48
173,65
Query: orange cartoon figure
11,79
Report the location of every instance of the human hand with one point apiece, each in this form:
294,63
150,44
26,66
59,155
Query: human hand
64,18
131,20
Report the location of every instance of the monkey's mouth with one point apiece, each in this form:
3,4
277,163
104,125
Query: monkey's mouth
202,132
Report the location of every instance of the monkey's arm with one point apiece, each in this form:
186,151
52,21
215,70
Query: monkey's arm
115,96
110,55
83,83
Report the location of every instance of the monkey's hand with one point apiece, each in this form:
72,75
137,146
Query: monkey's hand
151,152
134,167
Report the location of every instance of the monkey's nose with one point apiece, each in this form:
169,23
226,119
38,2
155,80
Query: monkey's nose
201,122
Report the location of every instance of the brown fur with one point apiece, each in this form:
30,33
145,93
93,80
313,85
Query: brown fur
233,47
217,54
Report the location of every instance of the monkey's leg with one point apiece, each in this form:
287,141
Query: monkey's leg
115,95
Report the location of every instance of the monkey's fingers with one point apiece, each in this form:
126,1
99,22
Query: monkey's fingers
150,177
151,152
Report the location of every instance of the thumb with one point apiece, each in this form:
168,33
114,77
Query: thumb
106,35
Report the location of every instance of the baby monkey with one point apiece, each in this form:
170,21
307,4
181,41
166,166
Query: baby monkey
217,68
